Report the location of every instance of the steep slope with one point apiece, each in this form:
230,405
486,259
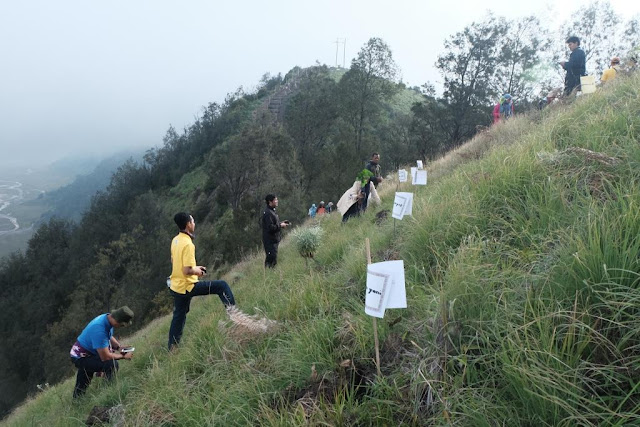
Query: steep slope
521,264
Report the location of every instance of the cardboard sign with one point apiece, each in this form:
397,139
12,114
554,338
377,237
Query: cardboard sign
421,178
413,174
402,175
402,205
385,287
420,164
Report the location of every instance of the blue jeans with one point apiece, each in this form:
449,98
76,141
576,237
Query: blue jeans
87,366
181,303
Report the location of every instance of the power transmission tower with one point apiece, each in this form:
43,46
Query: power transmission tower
342,41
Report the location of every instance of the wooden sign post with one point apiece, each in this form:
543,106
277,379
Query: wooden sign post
375,323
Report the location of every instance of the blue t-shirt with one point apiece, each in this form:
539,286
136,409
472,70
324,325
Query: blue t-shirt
96,334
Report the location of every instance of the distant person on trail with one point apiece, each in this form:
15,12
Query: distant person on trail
504,109
631,65
321,209
271,231
313,210
496,113
575,67
184,278
329,207
93,351
610,73
372,166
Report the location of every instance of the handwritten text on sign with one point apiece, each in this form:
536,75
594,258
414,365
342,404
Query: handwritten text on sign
385,287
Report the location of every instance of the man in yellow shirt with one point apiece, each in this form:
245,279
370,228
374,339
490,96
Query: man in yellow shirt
184,278
610,73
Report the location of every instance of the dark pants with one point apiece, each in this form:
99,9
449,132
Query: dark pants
89,365
365,190
354,210
271,251
571,84
181,303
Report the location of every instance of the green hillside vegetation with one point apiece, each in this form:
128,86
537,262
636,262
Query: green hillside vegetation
522,276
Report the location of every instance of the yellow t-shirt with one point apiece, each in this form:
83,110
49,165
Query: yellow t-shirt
183,253
609,74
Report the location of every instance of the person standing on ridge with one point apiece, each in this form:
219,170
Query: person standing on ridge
271,231
184,278
575,67
93,350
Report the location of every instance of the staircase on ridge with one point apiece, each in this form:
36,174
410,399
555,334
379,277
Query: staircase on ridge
276,103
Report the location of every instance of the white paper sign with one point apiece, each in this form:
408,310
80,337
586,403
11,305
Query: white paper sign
421,178
402,175
420,164
385,287
413,175
402,205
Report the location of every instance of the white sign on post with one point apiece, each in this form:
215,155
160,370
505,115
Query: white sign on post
421,178
402,205
420,164
402,175
385,287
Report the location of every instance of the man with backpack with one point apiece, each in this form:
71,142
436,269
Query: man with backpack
504,108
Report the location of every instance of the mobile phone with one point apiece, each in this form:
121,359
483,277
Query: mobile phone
127,349
204,269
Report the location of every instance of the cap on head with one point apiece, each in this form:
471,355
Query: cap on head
123,315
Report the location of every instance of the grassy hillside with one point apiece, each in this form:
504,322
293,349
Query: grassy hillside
521,264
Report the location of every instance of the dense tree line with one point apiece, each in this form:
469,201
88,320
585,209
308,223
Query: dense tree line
220,168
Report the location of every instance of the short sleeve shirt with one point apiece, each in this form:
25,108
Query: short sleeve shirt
183,254
96,334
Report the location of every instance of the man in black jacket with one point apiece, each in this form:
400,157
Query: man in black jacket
575,67
271,226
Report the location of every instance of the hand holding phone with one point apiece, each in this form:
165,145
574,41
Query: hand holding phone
124,350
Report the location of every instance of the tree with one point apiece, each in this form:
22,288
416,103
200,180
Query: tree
369,81
426,129
469,66
522,47
310,116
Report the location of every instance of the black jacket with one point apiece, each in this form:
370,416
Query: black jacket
270,226
576,67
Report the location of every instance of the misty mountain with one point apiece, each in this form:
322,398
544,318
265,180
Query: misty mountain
71,201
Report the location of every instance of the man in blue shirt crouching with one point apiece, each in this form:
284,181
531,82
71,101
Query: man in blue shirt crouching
94,350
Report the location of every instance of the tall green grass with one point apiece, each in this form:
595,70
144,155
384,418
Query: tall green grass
522,274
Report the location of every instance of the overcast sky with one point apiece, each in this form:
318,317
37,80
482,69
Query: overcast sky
88,77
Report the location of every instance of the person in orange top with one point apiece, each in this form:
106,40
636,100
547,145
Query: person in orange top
184,278
321,210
